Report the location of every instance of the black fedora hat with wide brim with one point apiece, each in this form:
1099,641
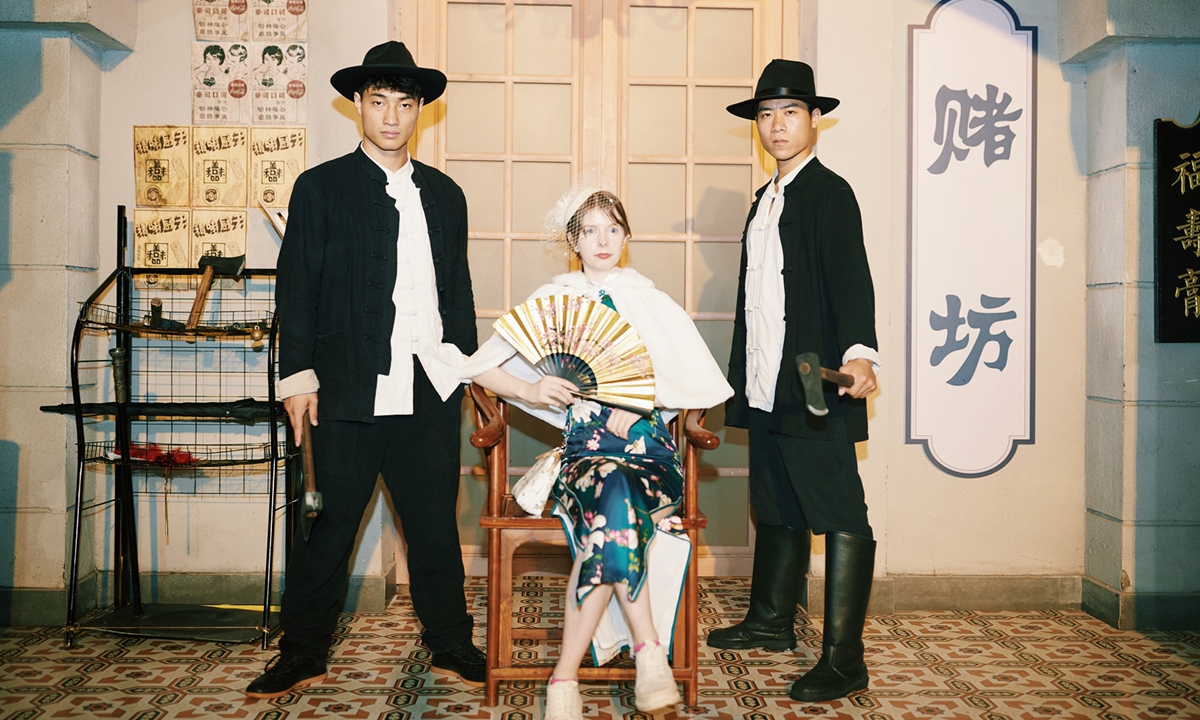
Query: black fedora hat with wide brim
389,59
784,79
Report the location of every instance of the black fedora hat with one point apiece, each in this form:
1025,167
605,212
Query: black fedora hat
390,58
784,79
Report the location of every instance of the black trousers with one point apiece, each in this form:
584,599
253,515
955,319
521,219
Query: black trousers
418,456
806,482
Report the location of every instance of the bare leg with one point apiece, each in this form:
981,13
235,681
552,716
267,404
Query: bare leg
579,624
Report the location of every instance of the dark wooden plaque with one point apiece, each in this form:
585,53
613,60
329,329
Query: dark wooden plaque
1176,232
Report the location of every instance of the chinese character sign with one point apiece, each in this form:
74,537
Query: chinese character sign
222,20
279,83
161,159
1176,232
280,20
220,162
217,233
277,157
161,238
221,77
971,236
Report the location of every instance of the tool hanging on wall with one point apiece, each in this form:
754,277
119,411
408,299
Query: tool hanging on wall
212,266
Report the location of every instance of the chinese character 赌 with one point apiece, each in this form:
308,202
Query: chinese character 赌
976,121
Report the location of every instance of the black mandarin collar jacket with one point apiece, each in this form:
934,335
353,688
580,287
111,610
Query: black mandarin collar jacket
829,302
337,269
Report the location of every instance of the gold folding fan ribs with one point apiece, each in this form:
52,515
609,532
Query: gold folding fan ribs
585,342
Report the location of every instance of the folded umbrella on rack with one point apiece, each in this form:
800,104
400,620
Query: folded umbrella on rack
247,410
152,453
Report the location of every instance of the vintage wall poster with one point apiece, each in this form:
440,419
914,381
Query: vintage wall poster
972,162
161,160
218,233
279,20
277,157
221,19
279,83
1177,232
162,239
220,160
221,77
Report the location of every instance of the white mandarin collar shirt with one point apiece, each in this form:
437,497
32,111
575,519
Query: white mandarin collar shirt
765,296
417,330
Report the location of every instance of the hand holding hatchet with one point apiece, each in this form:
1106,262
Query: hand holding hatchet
856,379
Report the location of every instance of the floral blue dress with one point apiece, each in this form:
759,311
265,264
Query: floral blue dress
610,487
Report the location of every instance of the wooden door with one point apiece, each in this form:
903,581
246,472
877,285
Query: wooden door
631,92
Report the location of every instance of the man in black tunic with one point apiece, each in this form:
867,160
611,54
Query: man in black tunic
804,286
376,313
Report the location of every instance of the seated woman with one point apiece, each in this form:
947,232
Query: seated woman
621,472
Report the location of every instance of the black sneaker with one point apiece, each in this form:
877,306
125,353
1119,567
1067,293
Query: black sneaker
285,673
466,661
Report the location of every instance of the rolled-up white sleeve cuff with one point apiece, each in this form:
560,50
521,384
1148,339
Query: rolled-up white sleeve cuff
862,352
299,383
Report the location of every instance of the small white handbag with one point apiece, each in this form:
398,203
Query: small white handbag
533,489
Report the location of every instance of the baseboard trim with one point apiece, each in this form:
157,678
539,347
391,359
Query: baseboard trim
911,593
39,607
1140,611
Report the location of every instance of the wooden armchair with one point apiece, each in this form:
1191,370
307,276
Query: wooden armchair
509,527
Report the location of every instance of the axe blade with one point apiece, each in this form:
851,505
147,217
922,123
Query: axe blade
809,366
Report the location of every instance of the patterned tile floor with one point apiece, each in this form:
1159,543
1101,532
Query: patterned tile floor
992,665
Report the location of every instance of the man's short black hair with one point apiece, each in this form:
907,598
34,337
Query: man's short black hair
396,83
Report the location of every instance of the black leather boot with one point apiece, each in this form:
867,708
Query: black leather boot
780,562
850,563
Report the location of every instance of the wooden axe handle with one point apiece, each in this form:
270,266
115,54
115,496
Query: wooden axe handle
837,378
201,297
306,452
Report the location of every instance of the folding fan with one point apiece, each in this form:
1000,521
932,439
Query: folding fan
585,342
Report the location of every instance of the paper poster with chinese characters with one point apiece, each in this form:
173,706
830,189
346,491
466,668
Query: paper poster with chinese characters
222,19
161,160
162,239
221,81
277,157
218,233
279,83
220,161
279,20
972,173
1176,232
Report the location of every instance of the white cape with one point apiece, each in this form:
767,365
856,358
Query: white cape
685,374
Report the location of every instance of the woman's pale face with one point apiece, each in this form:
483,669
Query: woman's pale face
599,244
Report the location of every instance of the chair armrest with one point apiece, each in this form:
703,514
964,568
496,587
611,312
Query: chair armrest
693,426
492,424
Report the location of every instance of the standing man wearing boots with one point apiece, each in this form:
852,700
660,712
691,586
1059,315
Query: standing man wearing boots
804,286
376,313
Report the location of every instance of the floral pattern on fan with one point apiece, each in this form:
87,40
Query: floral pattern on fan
583,341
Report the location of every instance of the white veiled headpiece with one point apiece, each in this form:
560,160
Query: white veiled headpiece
554,230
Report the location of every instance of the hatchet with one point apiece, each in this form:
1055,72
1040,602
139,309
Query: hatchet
811,375
312,503
212,265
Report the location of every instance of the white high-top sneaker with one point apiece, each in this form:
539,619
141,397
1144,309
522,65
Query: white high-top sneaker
655,688
563,701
